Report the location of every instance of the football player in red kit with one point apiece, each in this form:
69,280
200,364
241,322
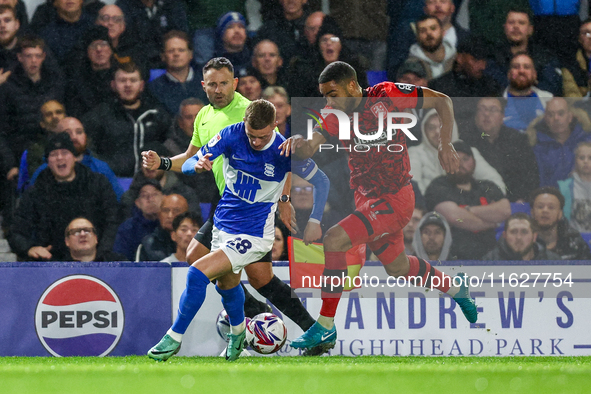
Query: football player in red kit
384,197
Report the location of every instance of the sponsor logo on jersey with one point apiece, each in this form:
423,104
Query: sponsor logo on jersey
79,315
269,170
216,138
246,186
405,87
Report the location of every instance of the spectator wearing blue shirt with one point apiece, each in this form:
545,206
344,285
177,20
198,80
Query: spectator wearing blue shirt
555,138
522,75
180,81
144,220
74,128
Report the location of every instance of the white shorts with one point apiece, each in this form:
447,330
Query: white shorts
241,249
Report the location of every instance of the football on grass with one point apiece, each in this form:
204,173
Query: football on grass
223,325
266,333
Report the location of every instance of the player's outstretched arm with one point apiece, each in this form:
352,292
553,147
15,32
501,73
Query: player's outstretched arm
152,161
448,157
197,164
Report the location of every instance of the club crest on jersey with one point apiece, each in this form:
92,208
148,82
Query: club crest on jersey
269,170
378,109
216,138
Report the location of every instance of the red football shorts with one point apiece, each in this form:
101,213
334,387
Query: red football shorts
378,222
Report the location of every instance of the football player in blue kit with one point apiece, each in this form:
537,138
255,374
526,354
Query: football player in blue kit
255,171
227,107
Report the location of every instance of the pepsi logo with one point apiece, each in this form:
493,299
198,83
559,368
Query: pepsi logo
79,315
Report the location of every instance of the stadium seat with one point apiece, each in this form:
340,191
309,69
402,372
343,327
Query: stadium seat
156,72
587,238
125,183
205,209
520,207
374,77
515,208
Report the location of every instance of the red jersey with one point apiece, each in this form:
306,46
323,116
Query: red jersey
380,166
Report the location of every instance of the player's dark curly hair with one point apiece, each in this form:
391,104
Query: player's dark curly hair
339,72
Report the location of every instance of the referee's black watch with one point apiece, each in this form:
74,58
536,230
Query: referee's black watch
285,198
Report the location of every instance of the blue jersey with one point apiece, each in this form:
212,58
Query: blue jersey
254,181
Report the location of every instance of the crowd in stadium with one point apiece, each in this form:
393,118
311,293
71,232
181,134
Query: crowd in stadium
85,87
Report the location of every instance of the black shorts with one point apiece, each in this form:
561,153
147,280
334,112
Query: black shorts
204,234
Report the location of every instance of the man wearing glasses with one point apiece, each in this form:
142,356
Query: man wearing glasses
82,242
124,42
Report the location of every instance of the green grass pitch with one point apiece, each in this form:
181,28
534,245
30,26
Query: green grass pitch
282,375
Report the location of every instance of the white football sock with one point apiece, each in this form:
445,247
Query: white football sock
175,335
453,290
235,330
326,322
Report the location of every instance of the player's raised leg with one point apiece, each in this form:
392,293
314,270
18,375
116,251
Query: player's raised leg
323,333
421,273
211,266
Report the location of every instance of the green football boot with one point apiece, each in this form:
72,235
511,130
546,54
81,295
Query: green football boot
235,346
165,349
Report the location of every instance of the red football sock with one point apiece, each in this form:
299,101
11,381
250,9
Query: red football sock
329,306
431,276
335,269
